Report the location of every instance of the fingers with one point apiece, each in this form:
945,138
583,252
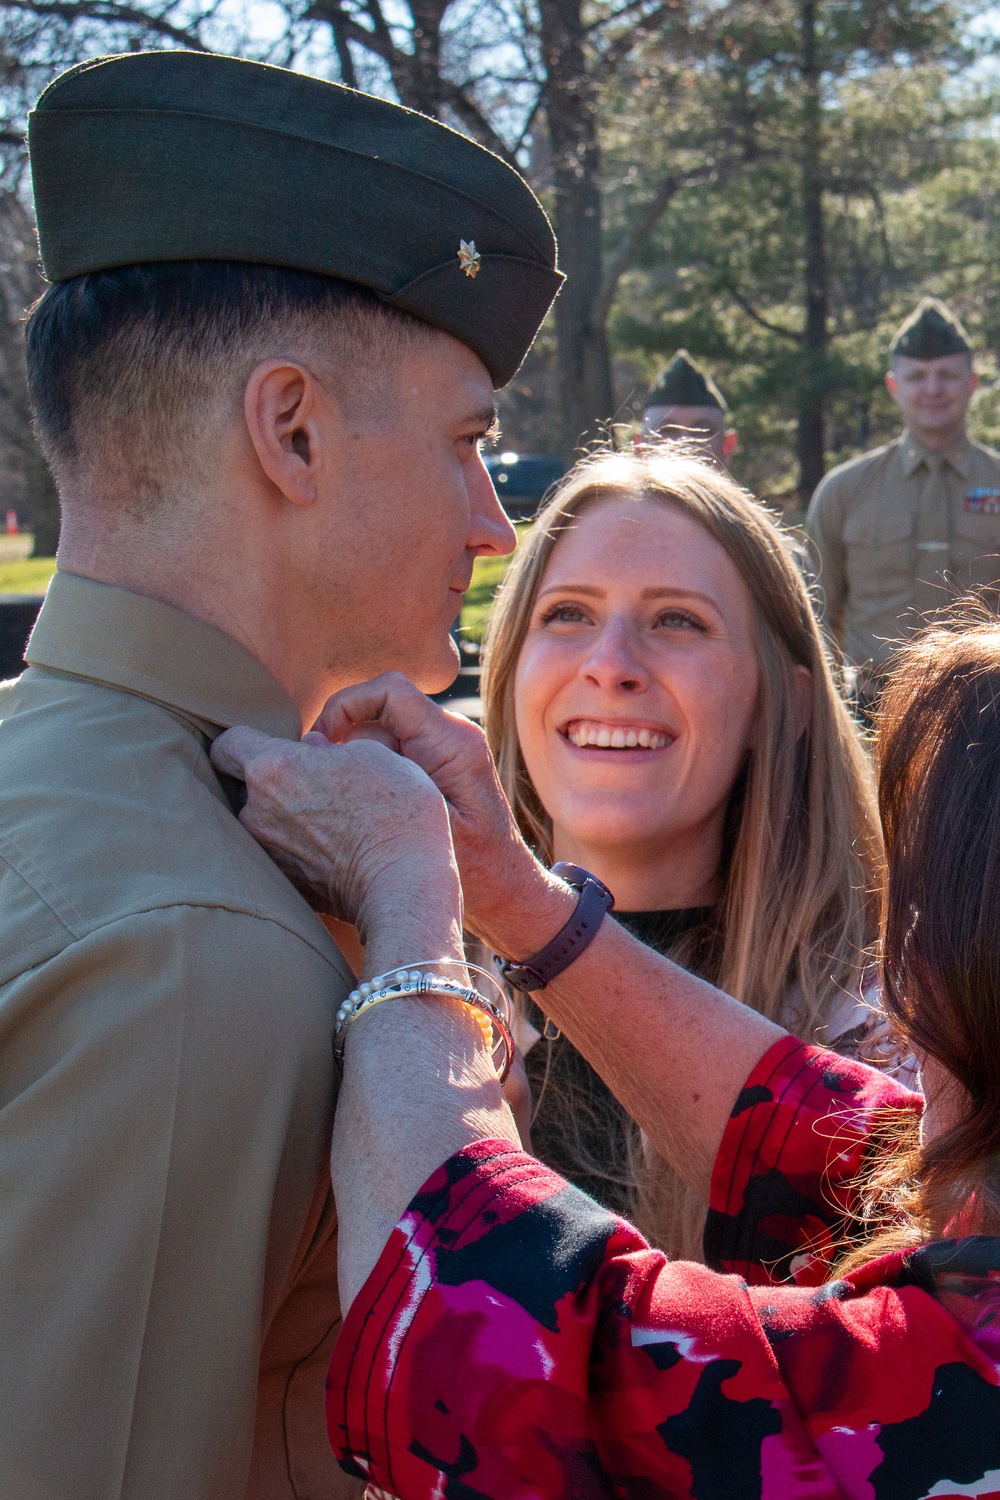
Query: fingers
235,749
341,821
391,701
444,745
378,734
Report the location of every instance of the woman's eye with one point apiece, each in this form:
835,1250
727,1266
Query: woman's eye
679,619
563,614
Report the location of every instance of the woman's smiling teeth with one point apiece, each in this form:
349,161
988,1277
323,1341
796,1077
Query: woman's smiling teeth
583,732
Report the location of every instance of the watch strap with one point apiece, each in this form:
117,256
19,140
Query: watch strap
569,942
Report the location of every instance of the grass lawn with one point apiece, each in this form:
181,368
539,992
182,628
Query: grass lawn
29,575
486,578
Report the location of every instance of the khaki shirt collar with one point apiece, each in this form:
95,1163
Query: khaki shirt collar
958,455
129,641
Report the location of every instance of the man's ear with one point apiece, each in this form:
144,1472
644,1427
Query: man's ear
730,442
281,406
803,699
892,385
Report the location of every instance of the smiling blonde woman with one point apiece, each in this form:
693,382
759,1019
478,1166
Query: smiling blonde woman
663,712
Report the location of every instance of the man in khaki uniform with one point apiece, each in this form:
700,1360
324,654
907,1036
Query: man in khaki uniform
262,392
904,529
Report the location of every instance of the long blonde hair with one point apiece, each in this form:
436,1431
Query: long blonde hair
804,851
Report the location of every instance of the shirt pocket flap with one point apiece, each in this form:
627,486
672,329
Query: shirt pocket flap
877,526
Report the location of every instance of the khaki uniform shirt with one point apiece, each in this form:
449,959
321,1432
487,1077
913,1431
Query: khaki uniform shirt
862,523
168,1296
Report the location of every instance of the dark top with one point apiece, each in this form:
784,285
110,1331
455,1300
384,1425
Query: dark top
578,1127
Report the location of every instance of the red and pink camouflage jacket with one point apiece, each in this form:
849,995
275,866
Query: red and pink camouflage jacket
516,1341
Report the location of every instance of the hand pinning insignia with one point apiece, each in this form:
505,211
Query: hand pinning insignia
469,258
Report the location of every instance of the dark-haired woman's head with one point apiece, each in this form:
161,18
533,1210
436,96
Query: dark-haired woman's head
938,757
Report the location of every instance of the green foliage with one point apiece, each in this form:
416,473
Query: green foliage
486,578
909,156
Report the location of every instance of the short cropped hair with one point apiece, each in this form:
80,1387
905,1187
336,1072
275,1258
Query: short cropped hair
894,360
128,360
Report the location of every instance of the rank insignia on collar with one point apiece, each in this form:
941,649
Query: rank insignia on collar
983,502
469,258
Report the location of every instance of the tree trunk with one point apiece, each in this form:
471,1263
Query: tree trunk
582,356
811,443
418,81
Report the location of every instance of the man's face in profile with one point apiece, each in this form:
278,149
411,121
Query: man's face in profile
412,506
693,424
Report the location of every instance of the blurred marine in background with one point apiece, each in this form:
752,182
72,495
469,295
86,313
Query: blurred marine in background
903,530
686,405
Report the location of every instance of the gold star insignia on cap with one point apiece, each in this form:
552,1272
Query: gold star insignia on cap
469,258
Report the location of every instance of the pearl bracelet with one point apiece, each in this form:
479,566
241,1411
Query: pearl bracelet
494,1017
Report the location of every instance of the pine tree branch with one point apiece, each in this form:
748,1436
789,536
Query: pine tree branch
640,231
114,12
751,312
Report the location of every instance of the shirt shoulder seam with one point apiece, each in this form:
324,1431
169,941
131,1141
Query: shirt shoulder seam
207,904
860,469
90,929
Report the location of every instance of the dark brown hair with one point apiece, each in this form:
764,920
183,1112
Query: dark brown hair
938,759
124,362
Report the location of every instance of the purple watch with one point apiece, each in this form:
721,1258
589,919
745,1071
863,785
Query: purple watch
569,942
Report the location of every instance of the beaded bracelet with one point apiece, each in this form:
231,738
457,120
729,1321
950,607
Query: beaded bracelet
410,981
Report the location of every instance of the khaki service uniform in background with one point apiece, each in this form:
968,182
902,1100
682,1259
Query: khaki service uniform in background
883,552
168,1296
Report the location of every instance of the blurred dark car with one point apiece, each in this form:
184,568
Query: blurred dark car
18,613
522,479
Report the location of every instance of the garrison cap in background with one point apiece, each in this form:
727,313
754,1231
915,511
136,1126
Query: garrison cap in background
169,156
931,331
685,383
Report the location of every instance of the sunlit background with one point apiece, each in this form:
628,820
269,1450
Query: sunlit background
713,172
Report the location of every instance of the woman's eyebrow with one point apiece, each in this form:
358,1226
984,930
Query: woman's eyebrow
656,591
573,588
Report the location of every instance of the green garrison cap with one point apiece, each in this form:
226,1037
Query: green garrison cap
685,383
166,156
931,331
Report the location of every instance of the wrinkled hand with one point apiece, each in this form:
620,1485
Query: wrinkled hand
354,826
492,857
